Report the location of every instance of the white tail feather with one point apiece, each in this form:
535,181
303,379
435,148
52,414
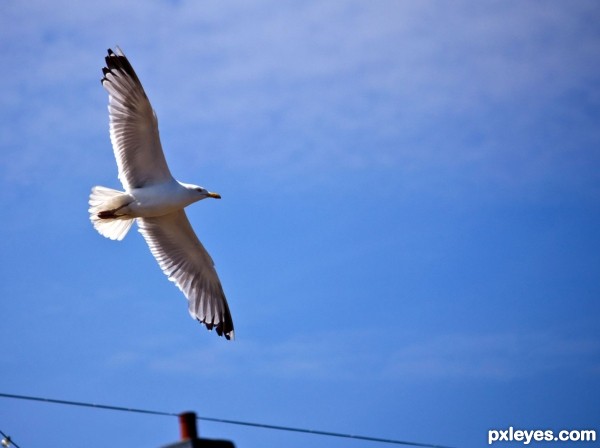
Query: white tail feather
104,199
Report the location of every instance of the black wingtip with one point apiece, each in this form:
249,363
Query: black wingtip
223,329
228,332
118,62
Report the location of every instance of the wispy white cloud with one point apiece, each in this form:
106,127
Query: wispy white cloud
297,88
493,356
349,357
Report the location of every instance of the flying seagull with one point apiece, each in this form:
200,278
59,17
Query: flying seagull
154,199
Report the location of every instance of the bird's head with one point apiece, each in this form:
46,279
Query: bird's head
200,192
204,193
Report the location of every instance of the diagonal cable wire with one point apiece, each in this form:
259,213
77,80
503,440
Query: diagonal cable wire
322,433
8,440
88,405
219,420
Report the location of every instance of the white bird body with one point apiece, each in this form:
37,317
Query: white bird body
162,199
154,199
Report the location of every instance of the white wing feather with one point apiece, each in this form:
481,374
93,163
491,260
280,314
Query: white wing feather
133,126
184,260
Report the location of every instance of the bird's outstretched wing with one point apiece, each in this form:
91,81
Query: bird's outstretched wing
133,126
184,260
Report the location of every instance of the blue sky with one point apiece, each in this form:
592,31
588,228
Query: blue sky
408,236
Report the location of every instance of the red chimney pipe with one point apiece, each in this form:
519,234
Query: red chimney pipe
187,426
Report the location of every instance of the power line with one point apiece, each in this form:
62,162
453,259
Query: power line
88,405
219,420
7,441
323,433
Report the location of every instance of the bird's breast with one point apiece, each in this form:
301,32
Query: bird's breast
158,200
